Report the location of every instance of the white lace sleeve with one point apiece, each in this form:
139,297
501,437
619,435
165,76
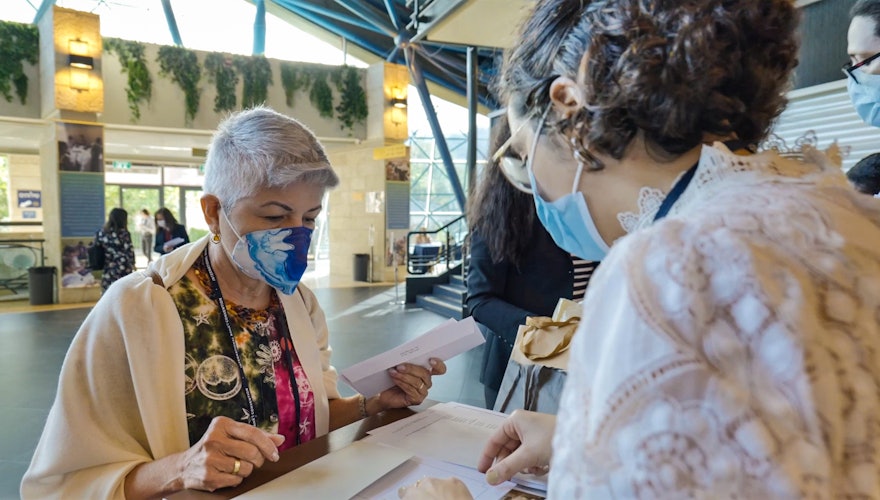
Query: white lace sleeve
726,359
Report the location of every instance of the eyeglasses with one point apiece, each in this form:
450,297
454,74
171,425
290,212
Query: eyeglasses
850,68
516,170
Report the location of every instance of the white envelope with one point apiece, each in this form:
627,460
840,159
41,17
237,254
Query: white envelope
370,377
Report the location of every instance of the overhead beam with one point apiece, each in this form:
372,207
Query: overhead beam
332,14
418,81
260,29
367,13
392,14
327,25
172,23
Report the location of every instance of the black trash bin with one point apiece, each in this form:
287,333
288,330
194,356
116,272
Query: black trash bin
361,264
41,285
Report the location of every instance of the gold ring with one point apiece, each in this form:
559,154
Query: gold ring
236,467
422,386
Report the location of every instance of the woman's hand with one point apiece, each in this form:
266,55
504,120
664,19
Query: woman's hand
522,444
412,384
228,452
432,488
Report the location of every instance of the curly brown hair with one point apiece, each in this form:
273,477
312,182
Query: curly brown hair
679,71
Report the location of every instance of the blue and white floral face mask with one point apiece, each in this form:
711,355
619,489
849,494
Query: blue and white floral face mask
277,256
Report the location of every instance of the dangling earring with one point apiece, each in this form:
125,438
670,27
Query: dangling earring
215,238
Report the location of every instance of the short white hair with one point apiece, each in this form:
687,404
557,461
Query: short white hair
260,148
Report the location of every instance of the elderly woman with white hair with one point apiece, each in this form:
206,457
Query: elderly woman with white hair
233,364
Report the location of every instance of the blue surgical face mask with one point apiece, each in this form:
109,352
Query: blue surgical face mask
277,256
567,219
865,96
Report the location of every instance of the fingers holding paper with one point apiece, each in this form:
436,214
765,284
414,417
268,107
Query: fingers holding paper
522,443
411,384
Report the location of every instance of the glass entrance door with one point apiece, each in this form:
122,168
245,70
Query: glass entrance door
133,199
191,210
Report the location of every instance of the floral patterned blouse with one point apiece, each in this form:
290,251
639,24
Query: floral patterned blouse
213,383
118,255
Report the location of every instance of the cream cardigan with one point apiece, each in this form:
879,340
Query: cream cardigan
120,399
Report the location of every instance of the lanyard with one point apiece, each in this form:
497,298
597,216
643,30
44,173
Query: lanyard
688,176
217,295
282,321
680,185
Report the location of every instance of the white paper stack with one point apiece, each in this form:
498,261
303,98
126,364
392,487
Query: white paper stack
451,432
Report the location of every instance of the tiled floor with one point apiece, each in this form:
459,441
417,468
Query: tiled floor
363,321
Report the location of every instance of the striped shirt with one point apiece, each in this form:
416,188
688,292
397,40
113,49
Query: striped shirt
583,271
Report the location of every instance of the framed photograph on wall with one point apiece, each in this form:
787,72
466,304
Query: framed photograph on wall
80,147
76,271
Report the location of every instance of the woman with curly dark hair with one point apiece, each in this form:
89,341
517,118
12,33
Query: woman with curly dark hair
728,347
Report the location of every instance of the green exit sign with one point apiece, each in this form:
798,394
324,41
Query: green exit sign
122,164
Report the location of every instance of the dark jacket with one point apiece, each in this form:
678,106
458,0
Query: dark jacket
500,296
163,235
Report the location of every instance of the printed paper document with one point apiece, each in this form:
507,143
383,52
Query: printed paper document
452,432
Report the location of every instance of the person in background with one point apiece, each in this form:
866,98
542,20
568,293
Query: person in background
118,248
169,234
147,227
863,68
516,270
231,364
729,344
865,175
423,238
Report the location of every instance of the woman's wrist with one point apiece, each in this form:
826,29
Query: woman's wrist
374,405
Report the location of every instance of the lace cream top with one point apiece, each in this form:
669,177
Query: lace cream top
730,350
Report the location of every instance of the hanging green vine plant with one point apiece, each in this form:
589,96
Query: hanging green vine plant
140,83
182,66
292,79
221,72
320,93
19,43
256,73
352,106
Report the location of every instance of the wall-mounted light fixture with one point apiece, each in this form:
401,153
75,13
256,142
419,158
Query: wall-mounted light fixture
398,98
79,55
80,63
399,103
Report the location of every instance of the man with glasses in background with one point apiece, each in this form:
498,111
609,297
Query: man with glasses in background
863,68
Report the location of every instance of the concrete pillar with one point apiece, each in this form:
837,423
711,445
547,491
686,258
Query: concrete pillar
358,207
72,96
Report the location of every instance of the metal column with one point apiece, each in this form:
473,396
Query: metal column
260,29
439,139
472,90
172,23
